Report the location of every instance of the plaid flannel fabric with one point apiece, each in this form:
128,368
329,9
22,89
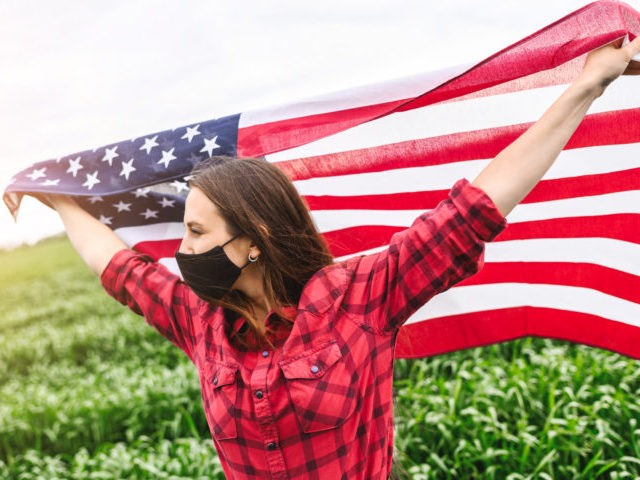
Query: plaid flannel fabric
320,405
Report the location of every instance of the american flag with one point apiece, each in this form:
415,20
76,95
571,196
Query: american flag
370,160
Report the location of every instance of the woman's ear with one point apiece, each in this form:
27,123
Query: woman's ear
264,230
254,251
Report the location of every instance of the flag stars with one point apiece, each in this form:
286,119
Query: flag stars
210,145
51,182
191,132
122,207
110,154
127,168
92,180
149,143
148,213
74,166
142,192
37,173
167,157
105,220
179,186
95,199
165,202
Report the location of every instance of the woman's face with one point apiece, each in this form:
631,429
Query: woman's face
205,228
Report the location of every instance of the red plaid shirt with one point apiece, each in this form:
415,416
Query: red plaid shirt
320,405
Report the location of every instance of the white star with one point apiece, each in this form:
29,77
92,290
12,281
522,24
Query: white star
95,199
105,220
110,154
149,143
52,182
74,166
167,157
141,192
179,186
127,168
210,145
37,173
92,179
122,207
191,132
165,202
150,214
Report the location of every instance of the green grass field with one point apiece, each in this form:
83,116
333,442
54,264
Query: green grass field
89,390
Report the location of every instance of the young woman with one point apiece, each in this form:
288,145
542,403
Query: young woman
295,352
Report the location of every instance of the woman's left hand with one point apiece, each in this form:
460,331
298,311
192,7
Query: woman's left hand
607,63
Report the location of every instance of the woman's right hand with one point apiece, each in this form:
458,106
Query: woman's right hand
53,200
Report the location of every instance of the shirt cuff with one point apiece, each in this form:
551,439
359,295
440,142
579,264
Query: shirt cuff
478,210
111,278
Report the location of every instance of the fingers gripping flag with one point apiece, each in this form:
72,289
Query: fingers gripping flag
369,161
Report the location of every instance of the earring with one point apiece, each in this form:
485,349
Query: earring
253,259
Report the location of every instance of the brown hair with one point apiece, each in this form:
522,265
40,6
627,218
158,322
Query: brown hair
257,199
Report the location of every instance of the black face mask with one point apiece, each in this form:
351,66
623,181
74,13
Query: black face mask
209,274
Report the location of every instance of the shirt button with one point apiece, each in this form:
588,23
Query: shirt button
314,369
271,446
215,380
259,394
265,354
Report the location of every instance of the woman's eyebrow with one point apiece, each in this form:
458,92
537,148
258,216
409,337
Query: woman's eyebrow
192,223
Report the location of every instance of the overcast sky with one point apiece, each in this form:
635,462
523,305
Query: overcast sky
82,74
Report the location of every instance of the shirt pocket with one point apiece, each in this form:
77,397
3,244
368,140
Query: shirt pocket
322,390
220,395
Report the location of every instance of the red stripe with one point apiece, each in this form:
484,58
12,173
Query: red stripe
546,190
620,226
521,60
158,249
457,332
625,227
585,275
596,129
271,137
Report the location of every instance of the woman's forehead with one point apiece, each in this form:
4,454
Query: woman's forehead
198,208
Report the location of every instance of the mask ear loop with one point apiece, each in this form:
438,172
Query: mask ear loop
231,239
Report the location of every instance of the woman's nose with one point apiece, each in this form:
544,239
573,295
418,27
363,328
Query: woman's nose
184,247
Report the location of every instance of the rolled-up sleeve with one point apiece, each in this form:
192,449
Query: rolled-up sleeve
442,247
149,289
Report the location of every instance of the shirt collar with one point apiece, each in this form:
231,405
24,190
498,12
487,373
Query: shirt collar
239,324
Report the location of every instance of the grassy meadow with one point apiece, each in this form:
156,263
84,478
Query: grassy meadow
89,390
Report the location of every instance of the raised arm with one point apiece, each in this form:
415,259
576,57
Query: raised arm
517,169
96,243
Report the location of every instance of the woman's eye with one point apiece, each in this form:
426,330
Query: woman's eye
194,232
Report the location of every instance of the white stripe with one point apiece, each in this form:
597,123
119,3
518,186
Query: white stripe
150,233
607,204
454,117
570,163
606,252
479,298
171,264
399,89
